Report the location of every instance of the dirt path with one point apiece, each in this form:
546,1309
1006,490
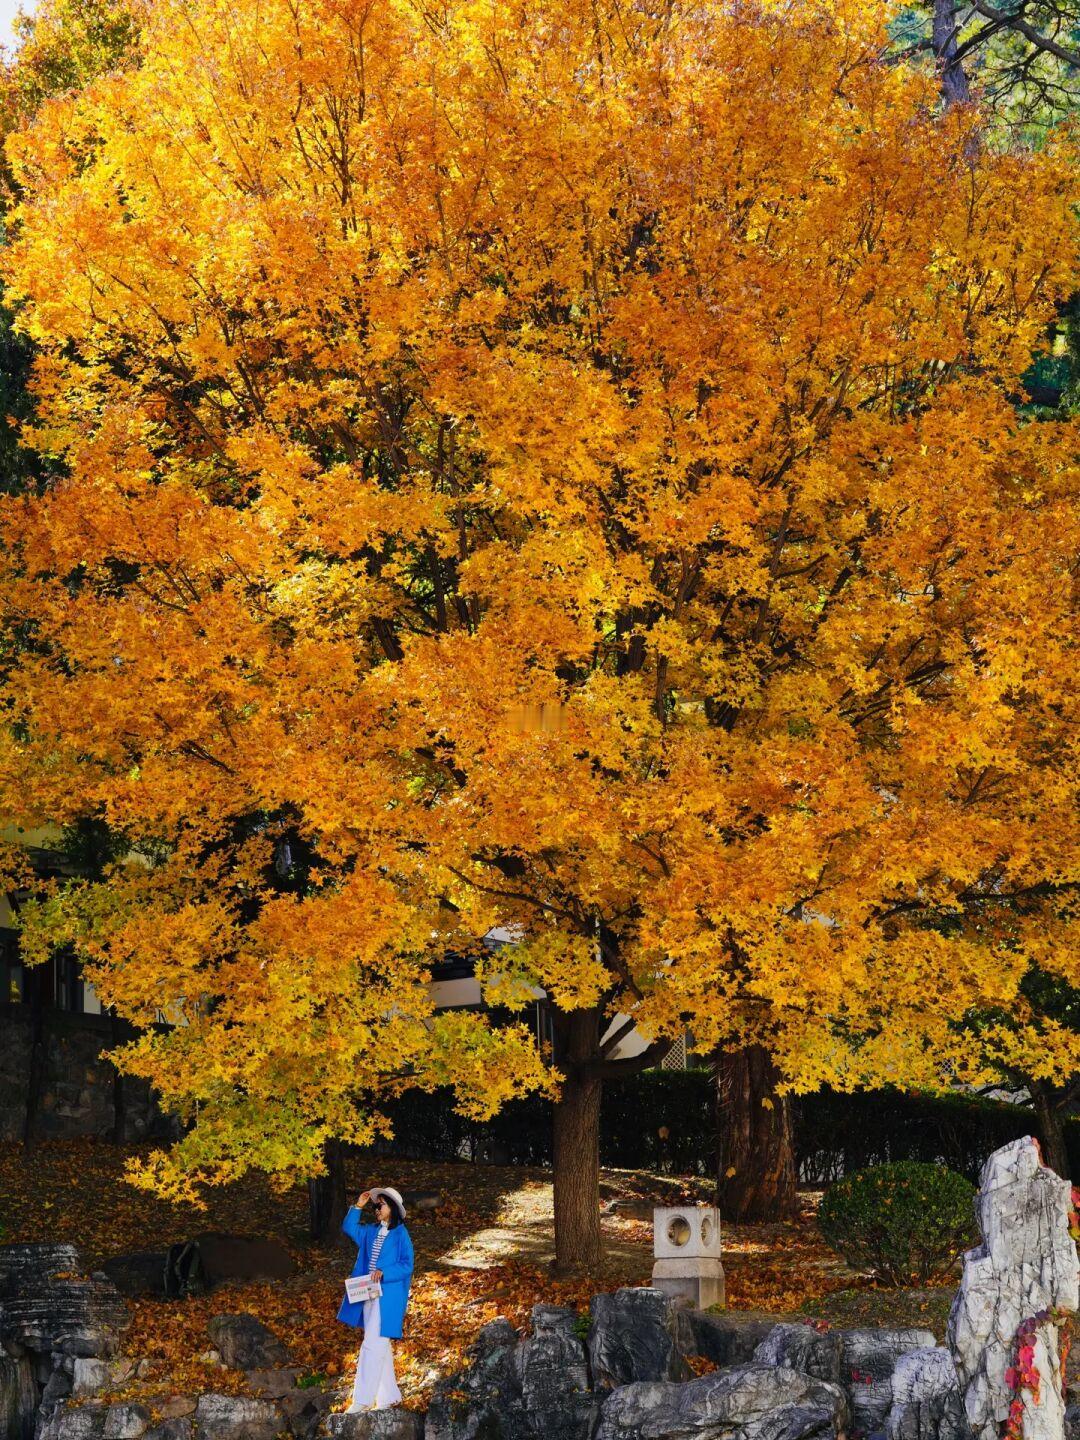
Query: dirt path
522,1230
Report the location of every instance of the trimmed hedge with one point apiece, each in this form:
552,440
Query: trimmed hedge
907,1223
835,1134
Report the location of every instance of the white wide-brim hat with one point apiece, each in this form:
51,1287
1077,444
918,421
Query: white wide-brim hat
391,1194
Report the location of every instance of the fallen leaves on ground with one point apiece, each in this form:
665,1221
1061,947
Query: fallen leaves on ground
74,1190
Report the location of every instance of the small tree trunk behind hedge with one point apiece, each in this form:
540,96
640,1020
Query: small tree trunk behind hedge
1049,1105
756,1179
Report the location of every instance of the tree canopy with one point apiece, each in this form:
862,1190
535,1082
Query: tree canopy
553,466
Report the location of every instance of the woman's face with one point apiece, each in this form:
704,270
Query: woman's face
382,1209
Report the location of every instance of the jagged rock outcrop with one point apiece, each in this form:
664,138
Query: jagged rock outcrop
926,1399
48,1306
235,1417
747,1402
1024,1274
868,1360
804,1348
719,1336
392,1424
531,1389
245,1343
633,1336
18,1398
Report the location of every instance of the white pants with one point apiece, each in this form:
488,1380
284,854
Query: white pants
376,1385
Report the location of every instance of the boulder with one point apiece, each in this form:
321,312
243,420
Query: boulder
394,1424
179,1428
243,1257
304,1409
868,1358
18,1398
747,1402
803,1347
532,1389
57,1387
125,1422
553,1375
926,1399
142,1272
722,1337
1014,1290
245,1343
175,1407
272,1384
84,1422
235,1417
90,1376
48,1306
482,1402
632,1337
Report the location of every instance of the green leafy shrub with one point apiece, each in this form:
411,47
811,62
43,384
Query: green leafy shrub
907,1223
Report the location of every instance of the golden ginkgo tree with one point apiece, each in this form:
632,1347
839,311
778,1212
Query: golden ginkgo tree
552,466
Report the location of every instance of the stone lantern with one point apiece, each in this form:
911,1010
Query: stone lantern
686,1247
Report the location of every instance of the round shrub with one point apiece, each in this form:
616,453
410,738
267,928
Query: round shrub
906,1223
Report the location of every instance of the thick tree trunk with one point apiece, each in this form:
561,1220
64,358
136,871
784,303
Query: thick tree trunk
1049,1109
576,1147
756,1175
327,1201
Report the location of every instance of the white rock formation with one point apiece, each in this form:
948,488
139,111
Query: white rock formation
1026,1266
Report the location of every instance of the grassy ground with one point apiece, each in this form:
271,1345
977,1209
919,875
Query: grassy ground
485,1253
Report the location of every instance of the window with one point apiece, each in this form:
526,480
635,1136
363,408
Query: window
69,984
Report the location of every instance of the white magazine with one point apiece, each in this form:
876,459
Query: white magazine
362,1287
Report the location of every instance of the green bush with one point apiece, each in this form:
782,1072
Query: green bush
907,1223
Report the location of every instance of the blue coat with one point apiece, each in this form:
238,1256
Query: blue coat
396,1264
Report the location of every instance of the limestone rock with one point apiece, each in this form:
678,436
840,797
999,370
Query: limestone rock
57,1388
802,1347
868,1358
926,1399
175,1406
125,1422
245,1343
179,1428
747,1402
553,1374
273,1383
722,1337
234,1417
47,1306
393,1424
18,1398
1025,1267
304,1409
91,1375
482,1402
632,1337
84,1422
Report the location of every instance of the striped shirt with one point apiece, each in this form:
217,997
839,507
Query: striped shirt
379,1238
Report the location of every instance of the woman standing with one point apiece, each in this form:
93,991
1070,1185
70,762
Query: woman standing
386,1254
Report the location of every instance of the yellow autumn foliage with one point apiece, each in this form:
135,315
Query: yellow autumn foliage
557,464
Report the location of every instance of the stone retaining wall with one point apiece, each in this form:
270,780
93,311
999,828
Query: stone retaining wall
77,1095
